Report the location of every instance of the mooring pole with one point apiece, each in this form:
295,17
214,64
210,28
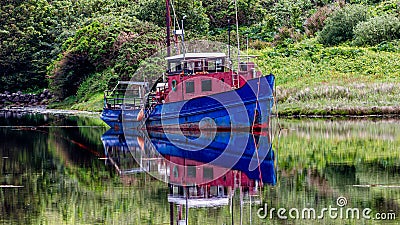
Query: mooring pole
171,205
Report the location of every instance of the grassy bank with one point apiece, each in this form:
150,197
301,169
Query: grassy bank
344,99
345,80
94,104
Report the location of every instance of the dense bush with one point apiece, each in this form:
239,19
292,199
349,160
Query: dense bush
290,13
261,20
377,30
95,83
286,36
25,42
32,32
249,12
340,24
317,20
386,7
115,42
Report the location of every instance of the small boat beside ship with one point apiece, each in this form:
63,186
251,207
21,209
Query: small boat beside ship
116,102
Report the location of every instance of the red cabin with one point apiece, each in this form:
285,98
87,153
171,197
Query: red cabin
193,75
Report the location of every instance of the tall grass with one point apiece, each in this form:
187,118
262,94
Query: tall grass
312,79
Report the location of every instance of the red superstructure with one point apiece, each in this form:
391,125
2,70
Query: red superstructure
201,74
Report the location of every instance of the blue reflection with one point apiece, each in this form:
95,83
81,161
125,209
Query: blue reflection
249,153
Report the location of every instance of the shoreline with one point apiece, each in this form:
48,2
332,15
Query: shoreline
44,110
374,112
354,111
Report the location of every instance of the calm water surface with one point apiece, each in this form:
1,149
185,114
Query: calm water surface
57,169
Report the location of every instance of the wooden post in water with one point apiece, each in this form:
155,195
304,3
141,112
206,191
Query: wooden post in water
171,205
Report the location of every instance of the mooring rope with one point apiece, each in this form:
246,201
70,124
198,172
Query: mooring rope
254,138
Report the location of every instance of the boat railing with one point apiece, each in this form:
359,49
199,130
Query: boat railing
117,100
150,104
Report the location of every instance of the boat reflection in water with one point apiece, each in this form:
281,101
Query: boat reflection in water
201,169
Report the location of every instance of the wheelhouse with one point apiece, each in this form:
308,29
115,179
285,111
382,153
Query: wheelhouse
194,63
193,75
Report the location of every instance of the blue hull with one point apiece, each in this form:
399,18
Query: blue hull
111,116
237,109
116,118
234,109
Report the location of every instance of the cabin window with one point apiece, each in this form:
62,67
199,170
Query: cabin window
208,173
178,67
243,66
206,85
184,65
211,65
191,171
175,171
190,65
198,66
219,64
189,86
173,85
172,67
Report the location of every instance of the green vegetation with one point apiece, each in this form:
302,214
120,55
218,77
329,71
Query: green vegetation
107,46
78,48
339,26
344,80
377,30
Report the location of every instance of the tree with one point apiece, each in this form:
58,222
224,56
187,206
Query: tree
110,42
154,11
26,41
377,29
340,24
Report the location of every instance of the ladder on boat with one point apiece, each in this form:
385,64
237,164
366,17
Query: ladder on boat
235,80
147,112
148,153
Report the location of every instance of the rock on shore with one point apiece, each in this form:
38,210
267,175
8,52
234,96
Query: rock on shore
19,99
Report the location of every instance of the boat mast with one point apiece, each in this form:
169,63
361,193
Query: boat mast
168,21
237,34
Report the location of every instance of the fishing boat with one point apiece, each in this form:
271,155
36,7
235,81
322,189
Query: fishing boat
198,90
205,97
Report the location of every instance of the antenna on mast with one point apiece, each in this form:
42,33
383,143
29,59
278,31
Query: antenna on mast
183,38
176,28
247,47
237,34
229,42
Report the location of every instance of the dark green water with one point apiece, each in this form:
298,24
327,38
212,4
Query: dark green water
56,174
